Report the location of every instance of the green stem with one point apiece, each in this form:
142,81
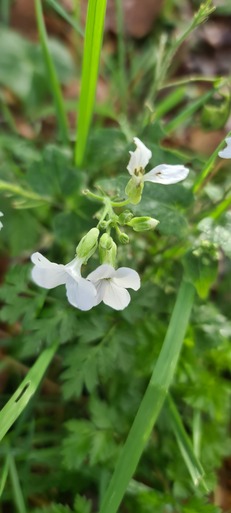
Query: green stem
184,443
190,80
119,204
94,196
197,432
188,111
19,191
52,75
121,54
208,167
152,401
61,11
221,208
17,491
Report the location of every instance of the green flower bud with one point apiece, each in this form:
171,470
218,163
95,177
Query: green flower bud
88,244
103,225
123,237
134,190
107,250
141,224
216,112
125,216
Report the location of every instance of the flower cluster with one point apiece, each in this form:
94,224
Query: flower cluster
106,283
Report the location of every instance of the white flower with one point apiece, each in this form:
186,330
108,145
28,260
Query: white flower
164,173
1,225
226,153
111,285
80,292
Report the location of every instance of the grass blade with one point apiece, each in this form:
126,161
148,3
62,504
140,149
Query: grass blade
19,400
61,11
183,441
4,475
17,491
52,75
152,401
92,46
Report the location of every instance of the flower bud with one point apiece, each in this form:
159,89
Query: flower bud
141,224
124,217
134,190
123,237
107,250
88,244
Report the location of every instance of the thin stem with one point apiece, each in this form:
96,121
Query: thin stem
52,75
221,208
119,204
189,80
121,54
17,491
208,167
197,432
4,475
19,191
152,401
184,443
61,11
94,196
188,111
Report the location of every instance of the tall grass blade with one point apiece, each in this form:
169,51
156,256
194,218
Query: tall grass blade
19,400
152,401
17,491
52,75
92,46
183,441
61,11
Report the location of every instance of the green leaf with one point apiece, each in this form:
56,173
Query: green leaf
201,268
82,505
54,174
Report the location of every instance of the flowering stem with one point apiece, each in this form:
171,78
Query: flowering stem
94,196
152,401
208,167
118,204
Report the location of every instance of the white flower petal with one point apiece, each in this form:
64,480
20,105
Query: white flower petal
166,174
100,289
226,153
1,225
139,158
81,293
127,278
47,274
104,271
116,297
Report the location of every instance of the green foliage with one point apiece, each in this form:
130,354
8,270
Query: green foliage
22,67
81,505
68,438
